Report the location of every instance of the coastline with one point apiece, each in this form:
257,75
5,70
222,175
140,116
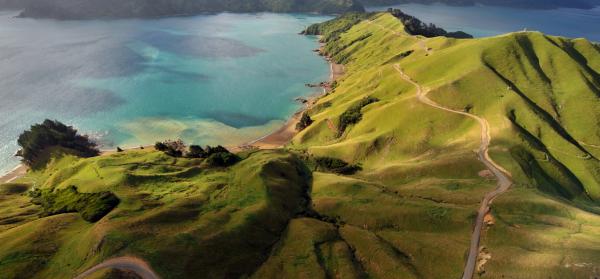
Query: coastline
283,135
274,140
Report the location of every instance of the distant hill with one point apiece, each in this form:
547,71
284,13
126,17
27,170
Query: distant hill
528,4
90,9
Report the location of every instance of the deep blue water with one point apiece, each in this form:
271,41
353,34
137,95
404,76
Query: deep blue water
214,79
482,21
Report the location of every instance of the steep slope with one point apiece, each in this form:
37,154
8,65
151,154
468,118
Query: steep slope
172,212
539,95
427,124
88,9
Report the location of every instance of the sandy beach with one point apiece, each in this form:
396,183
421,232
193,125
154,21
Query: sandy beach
281,137
275,140
17,172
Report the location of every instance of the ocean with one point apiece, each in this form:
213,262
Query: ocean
211,79
483,21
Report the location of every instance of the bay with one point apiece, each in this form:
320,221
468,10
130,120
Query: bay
210,79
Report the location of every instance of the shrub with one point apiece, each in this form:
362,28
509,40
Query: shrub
335,165
304,122
353,114
160,146
91,206
414,26
334,85
217,156
51,134
172,148
217,149
196,151
222,159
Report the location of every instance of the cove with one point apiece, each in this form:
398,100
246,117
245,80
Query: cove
210,79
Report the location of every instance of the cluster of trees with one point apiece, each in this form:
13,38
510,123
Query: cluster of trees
217,156
91,206
336,165
415,26
52,133
174,148
304,122
353,114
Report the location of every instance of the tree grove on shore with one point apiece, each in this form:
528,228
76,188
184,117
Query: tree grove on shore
52,133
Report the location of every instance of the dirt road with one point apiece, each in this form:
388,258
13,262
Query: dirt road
135,265
504,178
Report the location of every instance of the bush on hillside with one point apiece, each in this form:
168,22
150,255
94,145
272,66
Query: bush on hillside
160,146
334,85
353,114
196,151
53,134
216,156
91,206
304,122
216,149
335,165
172,148
222,159
414,26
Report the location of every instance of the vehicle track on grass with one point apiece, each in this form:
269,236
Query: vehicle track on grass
136,265
503,176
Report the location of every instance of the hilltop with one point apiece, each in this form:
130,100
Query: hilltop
380,182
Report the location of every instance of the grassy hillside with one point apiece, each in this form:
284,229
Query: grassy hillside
405,210
540,95
172,211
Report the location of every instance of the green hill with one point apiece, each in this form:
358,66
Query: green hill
408,210
540,96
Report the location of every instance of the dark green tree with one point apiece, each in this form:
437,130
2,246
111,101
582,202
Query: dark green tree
195,151
40,137
304,122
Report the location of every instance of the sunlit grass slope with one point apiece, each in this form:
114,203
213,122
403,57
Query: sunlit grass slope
407,214
180,216
421,180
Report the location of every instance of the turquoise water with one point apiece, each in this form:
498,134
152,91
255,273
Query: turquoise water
214,79
481,21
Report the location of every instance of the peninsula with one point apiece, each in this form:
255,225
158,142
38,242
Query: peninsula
430,157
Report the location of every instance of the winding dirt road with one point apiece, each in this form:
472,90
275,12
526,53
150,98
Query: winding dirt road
503,176
136,265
